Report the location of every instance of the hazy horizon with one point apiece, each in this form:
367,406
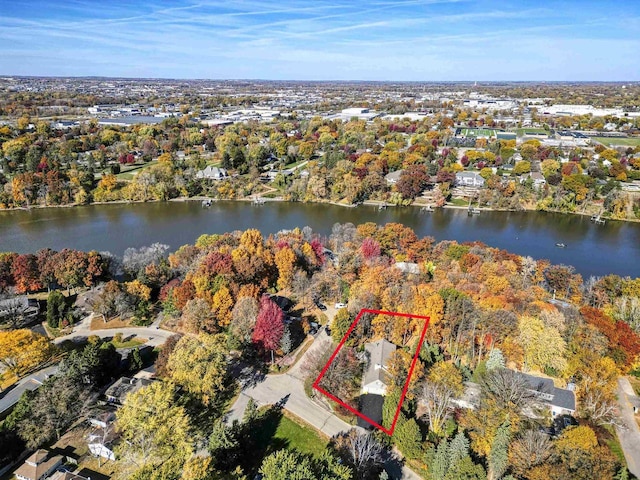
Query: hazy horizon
380,40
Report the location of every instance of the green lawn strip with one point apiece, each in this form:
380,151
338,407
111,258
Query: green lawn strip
614,444
630,142
134,342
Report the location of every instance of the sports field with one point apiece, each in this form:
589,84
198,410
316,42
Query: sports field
478,132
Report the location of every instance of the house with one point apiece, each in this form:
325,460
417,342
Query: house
537,178
38,466
103,420
393,177
408,267
376,376
65,475
117,392
212,173
469,179
561,401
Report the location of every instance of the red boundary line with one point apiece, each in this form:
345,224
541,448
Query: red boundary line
388,431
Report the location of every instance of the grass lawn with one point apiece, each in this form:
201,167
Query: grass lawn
129,343
297,434
628,142
478,132
277,429
459,202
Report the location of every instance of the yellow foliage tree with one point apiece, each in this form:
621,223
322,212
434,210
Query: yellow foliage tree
23,350
285,259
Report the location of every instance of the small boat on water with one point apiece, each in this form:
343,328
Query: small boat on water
560,245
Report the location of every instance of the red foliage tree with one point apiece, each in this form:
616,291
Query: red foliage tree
412,181
622,339
269,325
26,274
370,248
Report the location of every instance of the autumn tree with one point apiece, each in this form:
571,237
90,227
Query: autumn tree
154,428
444,383
285,259
198,317
200,366
269,326
243,318
52,409
23,350
413,180
26,274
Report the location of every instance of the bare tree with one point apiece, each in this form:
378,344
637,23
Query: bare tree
599,406
508,388
136,259
12,309
627,309
243,318
361,450
528,450
436,399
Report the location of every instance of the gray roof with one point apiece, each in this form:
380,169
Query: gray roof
379,354
125,385
547,391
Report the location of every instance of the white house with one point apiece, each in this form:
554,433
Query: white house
393,177
213,173
469,179
537,178
376,377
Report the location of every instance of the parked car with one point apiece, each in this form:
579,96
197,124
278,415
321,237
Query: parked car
321,306
338,306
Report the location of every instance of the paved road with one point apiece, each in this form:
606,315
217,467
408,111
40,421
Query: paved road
152,333
289,386
629,434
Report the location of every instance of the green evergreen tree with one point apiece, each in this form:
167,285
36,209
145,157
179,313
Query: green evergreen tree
408,438
136,360
250,412
458,449
495,360
498,460
287,465
440,463
56,307
286,344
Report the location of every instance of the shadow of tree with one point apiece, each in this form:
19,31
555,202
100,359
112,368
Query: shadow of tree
257,439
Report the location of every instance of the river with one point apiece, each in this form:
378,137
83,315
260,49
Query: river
591,249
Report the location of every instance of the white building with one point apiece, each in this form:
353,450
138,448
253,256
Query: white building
376,377
212,173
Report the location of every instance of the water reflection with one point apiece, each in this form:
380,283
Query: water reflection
592,249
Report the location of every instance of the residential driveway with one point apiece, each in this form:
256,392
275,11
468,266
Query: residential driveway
629,433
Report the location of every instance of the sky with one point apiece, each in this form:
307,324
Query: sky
390,40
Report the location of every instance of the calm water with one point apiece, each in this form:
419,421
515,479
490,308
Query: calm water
592,249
